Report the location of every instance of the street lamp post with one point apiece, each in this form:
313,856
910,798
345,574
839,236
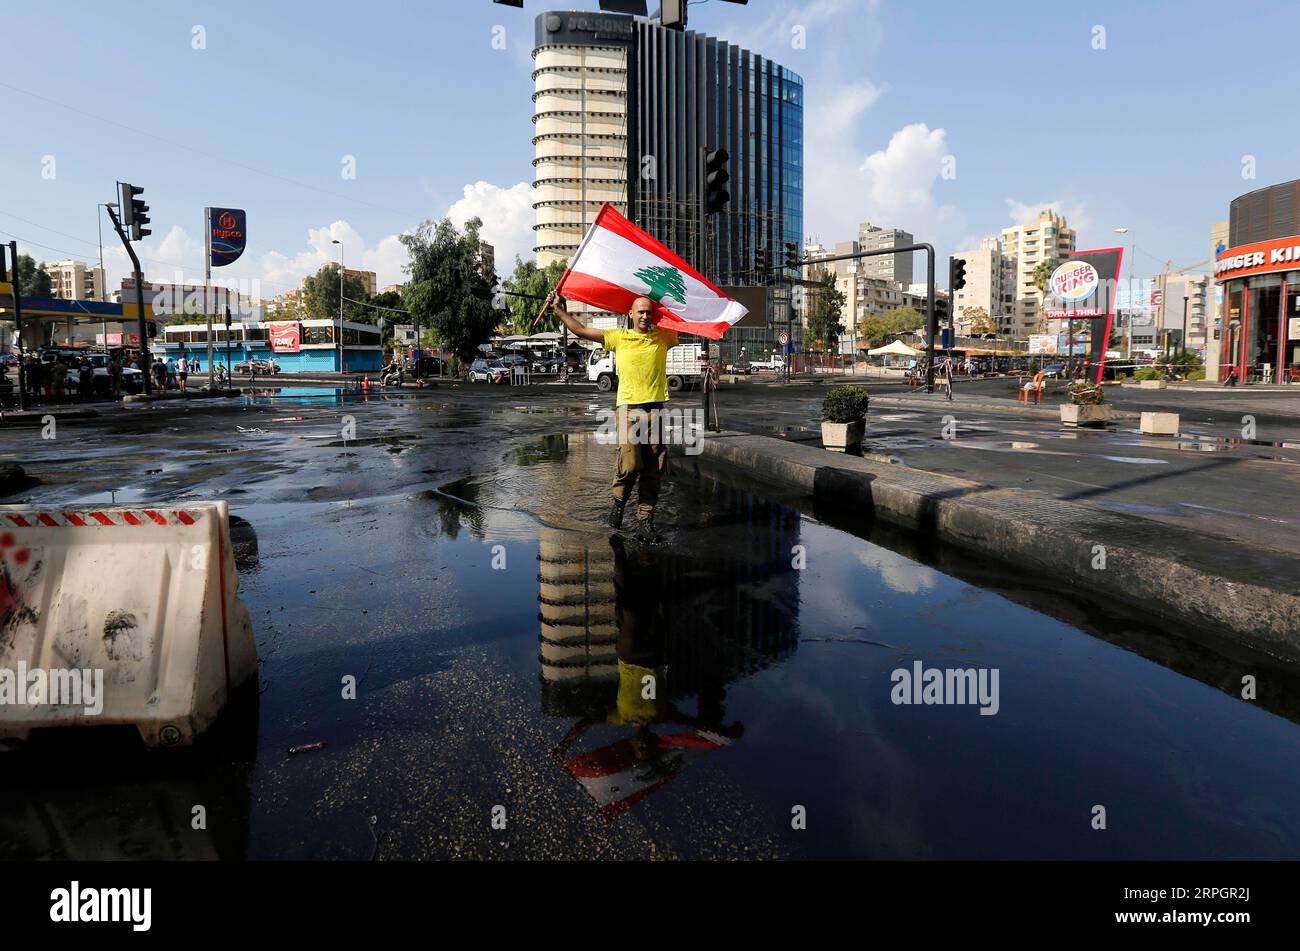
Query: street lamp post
338,340
1132,254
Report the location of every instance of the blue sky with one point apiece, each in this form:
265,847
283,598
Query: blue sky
1149,132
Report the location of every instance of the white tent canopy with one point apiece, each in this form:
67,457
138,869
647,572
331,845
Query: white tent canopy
895,349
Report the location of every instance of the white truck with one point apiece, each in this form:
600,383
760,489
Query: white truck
685,366
768,363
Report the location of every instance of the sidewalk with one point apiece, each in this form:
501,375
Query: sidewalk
1218,585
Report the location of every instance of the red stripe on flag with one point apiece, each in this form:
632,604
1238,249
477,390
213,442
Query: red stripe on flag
612,297
47,520
609,219
130,519
156,517
75,519
101,518
185,517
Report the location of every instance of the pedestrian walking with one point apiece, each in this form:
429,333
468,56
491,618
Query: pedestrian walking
182,372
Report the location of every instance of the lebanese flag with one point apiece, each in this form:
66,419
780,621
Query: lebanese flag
617,262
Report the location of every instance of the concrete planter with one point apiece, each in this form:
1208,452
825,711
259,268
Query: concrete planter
1077,414
837,437
1152,384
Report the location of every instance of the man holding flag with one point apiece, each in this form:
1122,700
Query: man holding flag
642,355
620,268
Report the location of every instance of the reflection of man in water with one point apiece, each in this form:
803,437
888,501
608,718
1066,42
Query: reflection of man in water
618,775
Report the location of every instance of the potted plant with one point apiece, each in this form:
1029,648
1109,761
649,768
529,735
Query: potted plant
844,417
1087,406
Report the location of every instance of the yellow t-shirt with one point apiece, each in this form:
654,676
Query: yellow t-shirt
641,363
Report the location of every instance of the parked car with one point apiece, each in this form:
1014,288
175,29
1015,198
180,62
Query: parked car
101,374
256,366
1054,371
740,368
488,371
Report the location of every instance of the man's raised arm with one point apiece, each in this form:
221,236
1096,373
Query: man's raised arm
575,328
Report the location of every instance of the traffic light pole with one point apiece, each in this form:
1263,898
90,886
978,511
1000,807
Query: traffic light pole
18,322
145,368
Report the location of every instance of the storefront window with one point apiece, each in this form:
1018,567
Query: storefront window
1262,345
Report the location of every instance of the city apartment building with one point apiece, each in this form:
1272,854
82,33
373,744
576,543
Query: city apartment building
75,280
1028,245
896,268
986,270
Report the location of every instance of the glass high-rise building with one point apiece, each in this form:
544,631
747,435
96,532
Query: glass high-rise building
622,109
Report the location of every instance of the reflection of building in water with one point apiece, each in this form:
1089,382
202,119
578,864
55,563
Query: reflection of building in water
729,601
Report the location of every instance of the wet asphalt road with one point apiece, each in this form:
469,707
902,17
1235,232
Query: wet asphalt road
449,555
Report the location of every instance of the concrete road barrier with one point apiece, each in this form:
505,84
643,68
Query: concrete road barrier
120,616
1160,424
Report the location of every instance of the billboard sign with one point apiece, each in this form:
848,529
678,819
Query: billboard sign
285,338
1086,286
1042,343
227,235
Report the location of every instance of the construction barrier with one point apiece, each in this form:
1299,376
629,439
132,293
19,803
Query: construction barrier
117,616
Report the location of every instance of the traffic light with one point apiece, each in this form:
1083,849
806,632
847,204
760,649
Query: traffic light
791,255
956,274
715,180
135,212
761,263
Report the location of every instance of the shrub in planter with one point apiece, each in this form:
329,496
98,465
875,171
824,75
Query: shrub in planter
845,404
1083,393
1197,374
1149,373
844,417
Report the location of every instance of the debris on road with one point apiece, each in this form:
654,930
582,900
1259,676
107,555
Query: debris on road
306,748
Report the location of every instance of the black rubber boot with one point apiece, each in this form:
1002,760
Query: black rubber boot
616,513
645,529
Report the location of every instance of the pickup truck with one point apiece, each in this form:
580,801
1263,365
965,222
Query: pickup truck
769,363
685,367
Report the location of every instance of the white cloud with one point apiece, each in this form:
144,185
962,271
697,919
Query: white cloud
178,258
1074,212
891,187
507,215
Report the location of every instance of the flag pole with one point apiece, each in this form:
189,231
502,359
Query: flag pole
207,281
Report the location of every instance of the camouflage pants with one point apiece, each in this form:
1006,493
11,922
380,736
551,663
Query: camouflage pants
642,459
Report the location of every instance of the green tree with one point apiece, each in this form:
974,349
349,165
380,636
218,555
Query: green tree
382,307
536,282
32,280
825,323
1042,277
980,322
321,294
448,291
878,328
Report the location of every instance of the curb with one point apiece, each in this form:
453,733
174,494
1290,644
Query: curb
1038,412
35,417
1211,583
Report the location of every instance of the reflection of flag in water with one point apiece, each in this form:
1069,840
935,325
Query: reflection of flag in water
615,778
617,262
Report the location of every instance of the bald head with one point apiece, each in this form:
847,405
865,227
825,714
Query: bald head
642,314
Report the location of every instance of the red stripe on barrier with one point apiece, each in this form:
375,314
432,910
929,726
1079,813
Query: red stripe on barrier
20,521
185,517
75,519
46,520
101,518
130,519
156,517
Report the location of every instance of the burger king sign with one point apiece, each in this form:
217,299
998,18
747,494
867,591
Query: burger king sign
1074,281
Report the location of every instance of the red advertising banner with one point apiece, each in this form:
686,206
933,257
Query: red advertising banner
286,338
